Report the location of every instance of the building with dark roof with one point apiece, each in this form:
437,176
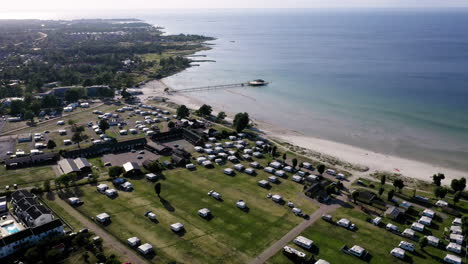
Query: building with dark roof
29,210
161,149
28,237
78,165
32,160
179,133
100,149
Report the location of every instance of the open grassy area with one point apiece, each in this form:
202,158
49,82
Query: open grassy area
27,176
232,236
329,239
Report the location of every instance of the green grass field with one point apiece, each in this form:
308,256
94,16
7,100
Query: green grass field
232,236
329,239
27,176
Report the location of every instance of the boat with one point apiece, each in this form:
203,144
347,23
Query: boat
258,82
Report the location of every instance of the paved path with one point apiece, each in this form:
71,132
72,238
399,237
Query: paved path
126,254
278,245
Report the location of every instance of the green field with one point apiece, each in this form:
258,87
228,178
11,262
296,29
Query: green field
329,239
232,236
27,176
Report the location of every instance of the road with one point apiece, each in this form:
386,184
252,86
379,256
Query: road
126,254
278,245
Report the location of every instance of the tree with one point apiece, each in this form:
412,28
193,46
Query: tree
241,121
32,255
125,95
104,125
390,195
437,178
51,144
29,115
115,171
171,125
77,138
381,191
273,151
355,195
183,111
155,167
204,110
53,255
440,192
294,162
16,107
455,185
221,115
157,189
330,189
47,185
321,169
456,197
398,183
383,179
73,95
86,257
284,158
423,242
462,183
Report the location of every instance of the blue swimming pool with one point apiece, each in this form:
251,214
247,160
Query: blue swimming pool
11,229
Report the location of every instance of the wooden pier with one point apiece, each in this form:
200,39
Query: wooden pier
207,88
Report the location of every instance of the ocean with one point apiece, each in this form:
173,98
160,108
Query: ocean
391,81
394,81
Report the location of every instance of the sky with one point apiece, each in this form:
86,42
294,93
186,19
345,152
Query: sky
47,5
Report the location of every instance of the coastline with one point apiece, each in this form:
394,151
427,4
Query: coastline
356,156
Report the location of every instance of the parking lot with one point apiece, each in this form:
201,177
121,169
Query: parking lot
121,158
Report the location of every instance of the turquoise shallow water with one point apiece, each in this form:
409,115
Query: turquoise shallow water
392,81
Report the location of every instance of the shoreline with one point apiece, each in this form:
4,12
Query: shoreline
356,156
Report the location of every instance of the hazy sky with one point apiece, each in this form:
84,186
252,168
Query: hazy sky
146,4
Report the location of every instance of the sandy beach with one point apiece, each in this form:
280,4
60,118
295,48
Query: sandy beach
373,160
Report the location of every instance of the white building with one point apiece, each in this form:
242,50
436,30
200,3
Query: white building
177,227
145,249
205,212
418,227
456,230
357,251
228,171
454,247
133,241
457,238
102,218
425,220
406,246
408,233
303,242
277,198
433,241
452,259
428,213
398,252
343,222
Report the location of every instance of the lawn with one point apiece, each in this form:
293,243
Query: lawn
329,239
231,236
27,176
